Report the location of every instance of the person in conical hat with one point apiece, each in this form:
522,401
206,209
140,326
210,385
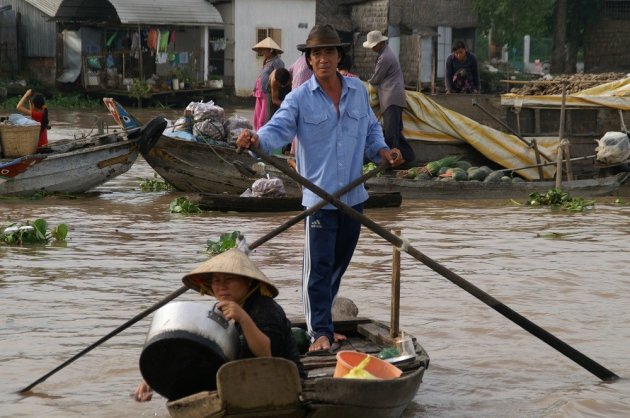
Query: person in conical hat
271,61
245,295
335,127
267,43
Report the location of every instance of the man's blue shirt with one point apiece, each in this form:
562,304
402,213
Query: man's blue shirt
331,147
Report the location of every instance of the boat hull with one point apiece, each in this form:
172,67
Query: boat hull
68,172
201,168
319,395
436,189
226,202
196,167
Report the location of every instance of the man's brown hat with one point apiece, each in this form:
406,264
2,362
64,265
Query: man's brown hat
322,36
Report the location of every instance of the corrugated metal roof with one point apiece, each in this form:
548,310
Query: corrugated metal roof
168,12
149,12
47,6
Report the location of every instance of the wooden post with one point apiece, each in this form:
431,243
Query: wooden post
394,327
141,70
541,173
561,136
559,167
567,158
419,85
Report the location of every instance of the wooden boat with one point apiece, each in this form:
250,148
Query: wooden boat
436,189
75,165
208,168
271,387
217,169
227,202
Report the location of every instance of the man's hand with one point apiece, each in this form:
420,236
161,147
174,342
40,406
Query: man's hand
247,139
392,156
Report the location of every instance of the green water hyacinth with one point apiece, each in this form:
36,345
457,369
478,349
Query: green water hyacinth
226,241
35,232
183,205
156,184
557,199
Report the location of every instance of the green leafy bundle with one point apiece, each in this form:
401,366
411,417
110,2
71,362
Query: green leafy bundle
183,205
558,199
35,232
226,241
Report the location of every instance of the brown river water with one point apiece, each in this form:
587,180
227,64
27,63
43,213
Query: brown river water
125,251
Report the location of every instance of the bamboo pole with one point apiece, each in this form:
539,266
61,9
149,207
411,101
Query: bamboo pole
561,136
559,168
581,359
567,158
394,327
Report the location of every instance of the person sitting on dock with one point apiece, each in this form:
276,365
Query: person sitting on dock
462,72
335,127
246,296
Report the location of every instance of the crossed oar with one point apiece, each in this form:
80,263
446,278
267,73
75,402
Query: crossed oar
581,359
183,289
578,357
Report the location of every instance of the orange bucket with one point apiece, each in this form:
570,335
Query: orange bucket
347,360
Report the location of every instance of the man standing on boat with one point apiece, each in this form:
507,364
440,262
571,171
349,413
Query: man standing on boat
335,128
389,82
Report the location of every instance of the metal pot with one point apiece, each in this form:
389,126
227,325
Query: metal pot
186,344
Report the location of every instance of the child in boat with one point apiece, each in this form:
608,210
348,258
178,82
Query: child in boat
245,295
38,111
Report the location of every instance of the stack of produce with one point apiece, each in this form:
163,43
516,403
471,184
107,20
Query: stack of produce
574,83
452,169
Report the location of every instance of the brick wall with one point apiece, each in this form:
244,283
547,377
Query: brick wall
408,15
367,17
606,47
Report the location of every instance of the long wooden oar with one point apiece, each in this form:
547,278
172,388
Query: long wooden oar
581,359
183,289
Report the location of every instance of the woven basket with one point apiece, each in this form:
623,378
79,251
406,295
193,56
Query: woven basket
18,140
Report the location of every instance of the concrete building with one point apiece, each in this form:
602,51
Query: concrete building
247,22
68,40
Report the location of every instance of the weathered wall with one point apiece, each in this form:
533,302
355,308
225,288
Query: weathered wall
433,13
41,69
606,47
410,17
366,17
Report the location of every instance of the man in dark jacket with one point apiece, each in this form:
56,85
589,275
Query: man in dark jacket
388,79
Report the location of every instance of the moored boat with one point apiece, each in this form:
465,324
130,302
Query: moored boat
437,189
207,168
75,165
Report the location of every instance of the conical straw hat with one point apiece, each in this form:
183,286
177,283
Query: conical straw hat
267,43
232,261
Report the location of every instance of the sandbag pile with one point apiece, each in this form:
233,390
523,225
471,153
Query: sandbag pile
210,119
234,125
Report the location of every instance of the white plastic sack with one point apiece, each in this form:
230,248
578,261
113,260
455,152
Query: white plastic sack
234,125
210,119
613,148
268,188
